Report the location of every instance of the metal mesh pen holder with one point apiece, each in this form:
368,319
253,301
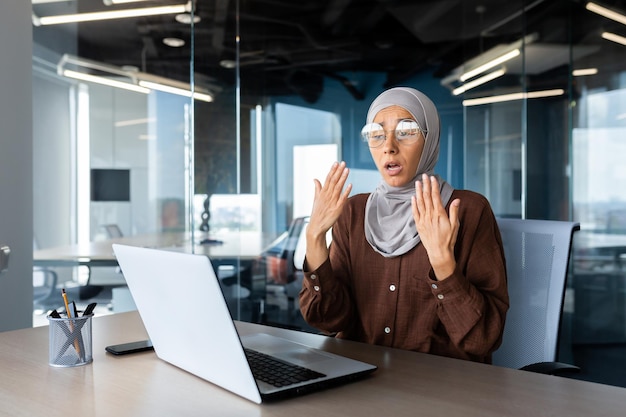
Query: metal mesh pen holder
70,341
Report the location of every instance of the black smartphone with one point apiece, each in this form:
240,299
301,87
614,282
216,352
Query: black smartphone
131,347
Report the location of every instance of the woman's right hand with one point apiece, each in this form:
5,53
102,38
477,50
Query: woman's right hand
328,204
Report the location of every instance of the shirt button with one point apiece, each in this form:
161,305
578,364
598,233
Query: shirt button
434,286
387,330
316,288
440,296
392,287
313,276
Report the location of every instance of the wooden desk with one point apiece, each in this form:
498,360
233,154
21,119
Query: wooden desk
406,384
236,245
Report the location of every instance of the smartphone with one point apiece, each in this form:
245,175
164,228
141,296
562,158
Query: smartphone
131,347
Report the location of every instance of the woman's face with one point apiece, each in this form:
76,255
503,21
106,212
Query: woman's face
397,162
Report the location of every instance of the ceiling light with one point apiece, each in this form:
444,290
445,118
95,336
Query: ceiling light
105,81
478,81
175,90
110,2
186,18
608,13
134,122
584,71
488,65
513,96
46,1
111,14
615,38
489,59
174,42
142,82
228,63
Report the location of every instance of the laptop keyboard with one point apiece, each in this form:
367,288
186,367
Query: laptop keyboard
276,372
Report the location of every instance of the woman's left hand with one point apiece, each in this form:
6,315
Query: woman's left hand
438,232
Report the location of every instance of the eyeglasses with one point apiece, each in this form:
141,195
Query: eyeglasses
407,132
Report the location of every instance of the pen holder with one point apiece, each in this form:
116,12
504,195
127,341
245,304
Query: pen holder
70,341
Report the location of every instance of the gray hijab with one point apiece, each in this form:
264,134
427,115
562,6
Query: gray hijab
389,224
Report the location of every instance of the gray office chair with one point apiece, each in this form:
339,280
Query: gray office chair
537,255
45,280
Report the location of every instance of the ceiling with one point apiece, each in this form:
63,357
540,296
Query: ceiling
291,46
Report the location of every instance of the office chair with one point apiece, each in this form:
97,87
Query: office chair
45,280
537,255
287,290
295,252
276,265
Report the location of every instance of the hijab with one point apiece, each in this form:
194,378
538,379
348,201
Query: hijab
389,224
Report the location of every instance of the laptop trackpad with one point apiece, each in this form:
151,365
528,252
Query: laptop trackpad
284,349
301,357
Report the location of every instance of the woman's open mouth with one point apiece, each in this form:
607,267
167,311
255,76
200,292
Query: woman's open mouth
393,168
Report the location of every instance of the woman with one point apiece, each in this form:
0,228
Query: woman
415,264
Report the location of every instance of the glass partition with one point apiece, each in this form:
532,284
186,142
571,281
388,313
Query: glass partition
112,138
556,156
598,120
287,87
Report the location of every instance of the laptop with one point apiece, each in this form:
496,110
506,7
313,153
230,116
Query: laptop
179,299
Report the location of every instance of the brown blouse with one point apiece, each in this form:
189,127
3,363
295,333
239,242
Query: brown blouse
361,295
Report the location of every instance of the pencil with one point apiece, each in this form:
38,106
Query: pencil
69,315
67,305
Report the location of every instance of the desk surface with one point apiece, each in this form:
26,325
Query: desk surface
243,245
406,384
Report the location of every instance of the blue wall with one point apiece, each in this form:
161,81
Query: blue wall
335,98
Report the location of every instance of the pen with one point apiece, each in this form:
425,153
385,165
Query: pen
89,309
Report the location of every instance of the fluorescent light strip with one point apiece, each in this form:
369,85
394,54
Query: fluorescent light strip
83,166
112,14
134,122
105,81
584,71
478,81
494,62
110,2
175,90
513,96
47,1
608,13
615,38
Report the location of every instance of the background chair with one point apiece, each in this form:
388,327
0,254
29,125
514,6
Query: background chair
45,281
281,271
280,268
537,255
